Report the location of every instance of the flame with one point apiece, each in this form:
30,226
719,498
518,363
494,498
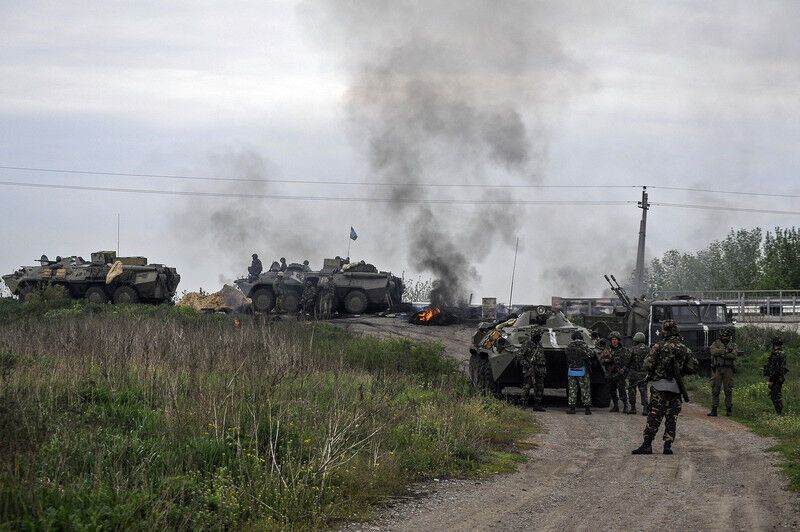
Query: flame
429,313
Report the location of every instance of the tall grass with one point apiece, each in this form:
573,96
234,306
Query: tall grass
751,403
158,419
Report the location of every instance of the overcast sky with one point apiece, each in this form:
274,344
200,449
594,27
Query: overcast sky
689,94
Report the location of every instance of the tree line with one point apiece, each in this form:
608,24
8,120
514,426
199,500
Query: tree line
746,259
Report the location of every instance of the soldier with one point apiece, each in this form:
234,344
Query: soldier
308,298
613,359
636,375
534,368
283,264
278,290
668,361
326,300
255,268
306,266
776,371
723,366
578,373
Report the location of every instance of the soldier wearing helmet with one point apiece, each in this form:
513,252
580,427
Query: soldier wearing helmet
578,355
636,373
255,268
723,367
614,359
534,369
308,299
668,361
776,371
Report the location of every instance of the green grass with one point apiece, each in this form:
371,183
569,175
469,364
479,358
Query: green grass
751,403
154,417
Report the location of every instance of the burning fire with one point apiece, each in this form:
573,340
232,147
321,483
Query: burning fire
428,314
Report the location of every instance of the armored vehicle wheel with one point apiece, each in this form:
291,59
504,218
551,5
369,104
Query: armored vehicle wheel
601,396
263,300
125,295
355,302
97,295
290,303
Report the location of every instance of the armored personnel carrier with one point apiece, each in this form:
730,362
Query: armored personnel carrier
105,278
356,289
495,368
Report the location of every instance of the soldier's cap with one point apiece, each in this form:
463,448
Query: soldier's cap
577,335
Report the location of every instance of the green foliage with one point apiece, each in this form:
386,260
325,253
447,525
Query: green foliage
746,259
751,403
156,418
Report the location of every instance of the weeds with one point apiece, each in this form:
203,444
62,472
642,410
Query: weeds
153,417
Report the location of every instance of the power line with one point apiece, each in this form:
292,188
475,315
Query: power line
723,208
307,181
420,201
733,192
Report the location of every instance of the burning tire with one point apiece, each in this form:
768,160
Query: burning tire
355,302
263,300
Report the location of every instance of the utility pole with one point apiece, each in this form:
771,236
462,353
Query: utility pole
638,281
513,272
117,234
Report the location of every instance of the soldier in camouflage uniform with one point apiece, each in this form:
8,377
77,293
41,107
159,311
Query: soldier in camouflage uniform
776,371
723,366
279,291
636,373
578,354
613,359
308,298
534,369
668,360
326,300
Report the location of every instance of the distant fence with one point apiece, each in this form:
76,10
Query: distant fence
751,305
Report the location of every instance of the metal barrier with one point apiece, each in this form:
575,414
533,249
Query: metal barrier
750,305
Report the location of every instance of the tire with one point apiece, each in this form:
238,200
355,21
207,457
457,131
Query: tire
263,300
355,302
96,295
290,303
126,295
601,395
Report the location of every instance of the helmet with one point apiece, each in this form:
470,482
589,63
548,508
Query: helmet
669,328
639,338
283,259
255,256
777,340
615,334
577,335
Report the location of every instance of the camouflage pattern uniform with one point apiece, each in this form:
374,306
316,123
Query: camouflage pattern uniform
534,369
667,360
776,371
326,300
723,366
636,373
308,298
613,360
577,359
278,290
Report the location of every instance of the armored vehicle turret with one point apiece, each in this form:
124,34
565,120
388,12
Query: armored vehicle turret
104,278
496,369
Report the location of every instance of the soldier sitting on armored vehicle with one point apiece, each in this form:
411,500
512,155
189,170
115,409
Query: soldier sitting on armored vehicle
255,267
275,266
283,264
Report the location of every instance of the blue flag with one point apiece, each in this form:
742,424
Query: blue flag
353,234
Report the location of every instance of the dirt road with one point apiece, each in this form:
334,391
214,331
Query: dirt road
581,475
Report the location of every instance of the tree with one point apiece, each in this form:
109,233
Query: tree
781,260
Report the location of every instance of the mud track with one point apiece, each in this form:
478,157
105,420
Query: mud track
581,475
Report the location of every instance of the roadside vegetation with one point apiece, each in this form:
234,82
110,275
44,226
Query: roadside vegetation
146,417
751,403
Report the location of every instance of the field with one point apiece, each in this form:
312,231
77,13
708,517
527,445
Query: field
751,403
152,418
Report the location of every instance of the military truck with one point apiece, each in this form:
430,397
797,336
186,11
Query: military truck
104,278
495,368
700,320
357,289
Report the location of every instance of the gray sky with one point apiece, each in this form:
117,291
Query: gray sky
696,94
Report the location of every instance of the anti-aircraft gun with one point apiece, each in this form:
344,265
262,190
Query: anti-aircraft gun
637,311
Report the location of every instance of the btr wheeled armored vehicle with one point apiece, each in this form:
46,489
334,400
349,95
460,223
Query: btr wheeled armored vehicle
356,290
104,278
496,369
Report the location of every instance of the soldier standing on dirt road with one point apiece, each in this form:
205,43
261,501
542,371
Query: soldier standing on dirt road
636,375
578,373
668,361
614,358
776,371
534,369
723,367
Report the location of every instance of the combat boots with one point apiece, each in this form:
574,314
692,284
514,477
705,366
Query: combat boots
624,408
729,412
646,447
571,409
632,410
713,412
615,408
537,407
588,411
667,447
